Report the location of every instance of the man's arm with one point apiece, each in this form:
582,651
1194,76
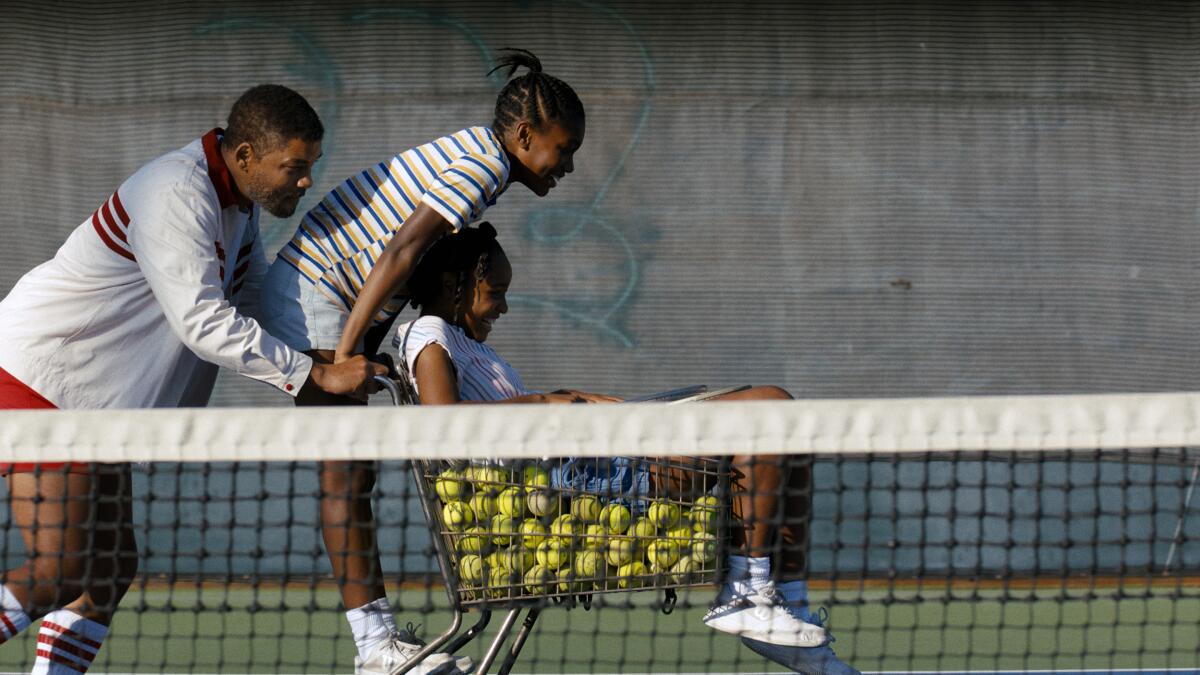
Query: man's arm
173,236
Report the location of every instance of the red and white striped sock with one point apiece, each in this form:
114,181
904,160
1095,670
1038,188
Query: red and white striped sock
13,618
67,643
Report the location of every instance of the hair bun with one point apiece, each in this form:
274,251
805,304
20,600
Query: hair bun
515,59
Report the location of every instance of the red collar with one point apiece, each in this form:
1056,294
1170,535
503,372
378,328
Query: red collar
218,173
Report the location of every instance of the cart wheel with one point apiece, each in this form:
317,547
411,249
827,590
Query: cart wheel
669,600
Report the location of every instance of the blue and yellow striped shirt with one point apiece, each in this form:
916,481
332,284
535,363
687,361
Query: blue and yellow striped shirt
339,240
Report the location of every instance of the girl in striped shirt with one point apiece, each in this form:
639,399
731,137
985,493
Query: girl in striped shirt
460,288
342,274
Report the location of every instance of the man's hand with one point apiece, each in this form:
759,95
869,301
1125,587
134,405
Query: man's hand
353,377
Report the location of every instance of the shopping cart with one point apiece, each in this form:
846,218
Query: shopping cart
522,537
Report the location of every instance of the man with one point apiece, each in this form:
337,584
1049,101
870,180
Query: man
138,309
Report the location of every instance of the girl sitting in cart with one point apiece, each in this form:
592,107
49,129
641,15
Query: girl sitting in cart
460,287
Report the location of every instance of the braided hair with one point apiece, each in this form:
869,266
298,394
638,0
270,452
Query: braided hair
535,97
469,251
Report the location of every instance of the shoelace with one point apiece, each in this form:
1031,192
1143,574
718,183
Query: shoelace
408,648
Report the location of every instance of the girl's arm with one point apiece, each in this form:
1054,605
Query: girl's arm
434,372
390,273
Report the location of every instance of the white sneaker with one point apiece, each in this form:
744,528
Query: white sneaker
392,654
808,660
764,616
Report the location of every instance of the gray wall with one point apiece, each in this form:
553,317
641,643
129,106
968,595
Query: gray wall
846,199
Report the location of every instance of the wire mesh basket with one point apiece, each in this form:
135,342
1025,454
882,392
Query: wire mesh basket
528,532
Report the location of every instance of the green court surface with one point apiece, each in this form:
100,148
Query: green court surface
210,629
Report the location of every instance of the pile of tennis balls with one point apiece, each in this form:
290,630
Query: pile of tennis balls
511,533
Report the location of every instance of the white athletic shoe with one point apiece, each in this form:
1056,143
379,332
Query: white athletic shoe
764,616
392,654
808,660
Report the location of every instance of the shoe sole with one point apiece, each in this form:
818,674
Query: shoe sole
814,637
785,657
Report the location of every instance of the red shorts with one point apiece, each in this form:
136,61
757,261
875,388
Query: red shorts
15,395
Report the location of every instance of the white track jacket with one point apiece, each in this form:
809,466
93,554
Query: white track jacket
141,304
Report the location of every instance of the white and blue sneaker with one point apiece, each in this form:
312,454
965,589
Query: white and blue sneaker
763,615
808,660
394,653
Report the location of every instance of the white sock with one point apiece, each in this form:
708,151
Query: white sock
760,573
738,581
370,624
67,643
795,592
13,618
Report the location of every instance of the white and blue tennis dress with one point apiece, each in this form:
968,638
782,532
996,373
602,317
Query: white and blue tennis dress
483,375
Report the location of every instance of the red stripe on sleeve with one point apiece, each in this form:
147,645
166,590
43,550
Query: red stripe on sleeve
108,240
106,216
116,200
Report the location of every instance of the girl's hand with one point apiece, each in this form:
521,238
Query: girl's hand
573,396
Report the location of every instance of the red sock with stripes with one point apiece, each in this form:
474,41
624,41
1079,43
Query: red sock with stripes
67,643
13,618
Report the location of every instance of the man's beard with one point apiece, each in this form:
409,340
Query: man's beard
280,203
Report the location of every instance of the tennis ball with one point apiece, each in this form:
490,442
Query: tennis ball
586,508
704,547
474,540
704,514
457,516
486,478
535,477
542,503
567,582
538,578
533,533
616,518
683,569
621,552
595,536
589,565
502,529
450,485
470,569
631,575
517,560
553,555
662,553
511,502
483,505
566,525
643,528
501,582
681,535
664,514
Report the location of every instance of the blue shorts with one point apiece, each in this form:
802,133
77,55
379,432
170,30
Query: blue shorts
622,479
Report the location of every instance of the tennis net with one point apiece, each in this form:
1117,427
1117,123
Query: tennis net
1016,533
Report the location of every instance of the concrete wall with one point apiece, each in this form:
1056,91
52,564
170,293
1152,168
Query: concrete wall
846,199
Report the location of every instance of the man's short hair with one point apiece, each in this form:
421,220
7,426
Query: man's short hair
268,116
